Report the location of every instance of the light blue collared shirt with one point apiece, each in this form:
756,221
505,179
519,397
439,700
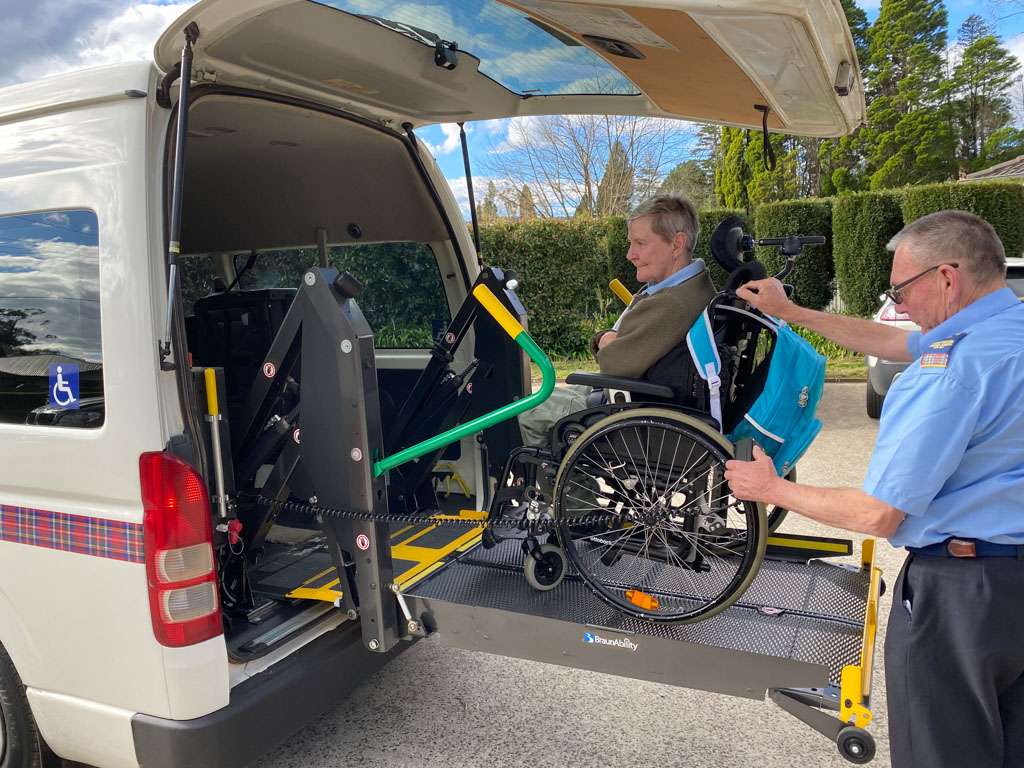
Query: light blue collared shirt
692,269
950,448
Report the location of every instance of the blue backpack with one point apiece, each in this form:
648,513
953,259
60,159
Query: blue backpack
782,417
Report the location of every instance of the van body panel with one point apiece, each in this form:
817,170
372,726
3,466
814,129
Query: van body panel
84,731
96,606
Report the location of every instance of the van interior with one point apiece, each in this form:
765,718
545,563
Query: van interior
272,189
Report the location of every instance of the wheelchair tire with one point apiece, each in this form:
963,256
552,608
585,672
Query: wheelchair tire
673,545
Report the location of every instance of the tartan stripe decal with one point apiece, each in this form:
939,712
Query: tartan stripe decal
112,539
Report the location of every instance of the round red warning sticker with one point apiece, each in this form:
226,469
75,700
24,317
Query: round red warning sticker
363,541
269,369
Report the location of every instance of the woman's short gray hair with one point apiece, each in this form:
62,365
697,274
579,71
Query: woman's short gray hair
955,236
671,214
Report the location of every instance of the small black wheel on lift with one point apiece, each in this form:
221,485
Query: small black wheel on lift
545,571
856,745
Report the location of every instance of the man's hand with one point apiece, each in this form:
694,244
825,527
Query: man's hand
752,480
606,338
768,296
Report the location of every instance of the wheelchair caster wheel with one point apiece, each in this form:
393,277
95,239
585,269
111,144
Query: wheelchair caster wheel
856,745
546,571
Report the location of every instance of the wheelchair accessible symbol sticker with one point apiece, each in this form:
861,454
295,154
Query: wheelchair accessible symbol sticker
64,392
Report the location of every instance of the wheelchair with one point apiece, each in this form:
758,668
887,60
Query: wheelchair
630,494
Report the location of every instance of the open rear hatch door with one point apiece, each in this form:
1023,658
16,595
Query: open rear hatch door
461,60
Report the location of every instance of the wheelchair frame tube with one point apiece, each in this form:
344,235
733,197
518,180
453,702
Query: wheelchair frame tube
513,328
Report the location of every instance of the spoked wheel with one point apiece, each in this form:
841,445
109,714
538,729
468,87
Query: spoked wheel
644,514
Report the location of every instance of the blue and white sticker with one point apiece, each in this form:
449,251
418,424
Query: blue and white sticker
64,392
620,642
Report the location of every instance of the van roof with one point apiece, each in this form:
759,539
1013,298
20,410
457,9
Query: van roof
72,89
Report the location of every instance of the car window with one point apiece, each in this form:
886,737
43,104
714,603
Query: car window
518,52
51,358
403,295
1015,279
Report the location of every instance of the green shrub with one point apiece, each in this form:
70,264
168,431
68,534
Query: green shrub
562,268
812,277
617,244
829,349
862,224
1001,204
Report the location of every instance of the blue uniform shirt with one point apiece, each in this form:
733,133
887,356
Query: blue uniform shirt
950,449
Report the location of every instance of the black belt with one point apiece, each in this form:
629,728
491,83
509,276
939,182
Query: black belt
969,548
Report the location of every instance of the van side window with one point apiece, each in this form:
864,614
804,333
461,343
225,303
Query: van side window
51,361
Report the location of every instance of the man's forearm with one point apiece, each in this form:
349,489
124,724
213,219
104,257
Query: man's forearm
847,508
855,333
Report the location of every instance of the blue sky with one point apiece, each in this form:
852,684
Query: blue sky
49,36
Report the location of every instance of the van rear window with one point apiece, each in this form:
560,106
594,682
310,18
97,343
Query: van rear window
51,357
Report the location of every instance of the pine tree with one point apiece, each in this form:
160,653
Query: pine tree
909,138
527,210
982,81
487,211
732,174
616,186
688,180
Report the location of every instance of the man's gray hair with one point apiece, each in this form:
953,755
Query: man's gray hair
955,236
671,214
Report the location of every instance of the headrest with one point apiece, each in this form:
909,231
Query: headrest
744,273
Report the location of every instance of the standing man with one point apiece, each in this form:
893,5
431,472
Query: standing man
663,232
946,481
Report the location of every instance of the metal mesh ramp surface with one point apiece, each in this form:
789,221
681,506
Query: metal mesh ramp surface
811,613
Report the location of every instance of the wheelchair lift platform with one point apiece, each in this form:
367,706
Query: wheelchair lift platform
803,632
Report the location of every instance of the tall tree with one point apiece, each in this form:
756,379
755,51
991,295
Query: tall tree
527,210
732,174
688,180
616,187
563,158
487,211
909,138
982,82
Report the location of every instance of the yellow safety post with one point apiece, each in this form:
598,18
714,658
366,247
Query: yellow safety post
621,291
855,681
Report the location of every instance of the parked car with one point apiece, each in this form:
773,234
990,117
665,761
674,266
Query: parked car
882,373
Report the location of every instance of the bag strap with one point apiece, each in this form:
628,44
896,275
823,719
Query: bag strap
700,340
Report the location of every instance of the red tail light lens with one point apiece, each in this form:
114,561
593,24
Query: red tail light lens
178,531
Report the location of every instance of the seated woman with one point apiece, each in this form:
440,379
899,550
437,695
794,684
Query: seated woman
648,335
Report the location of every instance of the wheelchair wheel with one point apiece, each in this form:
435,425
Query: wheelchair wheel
644,515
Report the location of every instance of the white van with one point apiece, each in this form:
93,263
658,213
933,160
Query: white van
148,616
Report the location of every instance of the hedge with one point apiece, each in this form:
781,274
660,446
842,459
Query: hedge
617,245
1001,204
862,224
562,268
812,277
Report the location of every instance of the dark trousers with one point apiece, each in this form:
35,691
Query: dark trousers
954,663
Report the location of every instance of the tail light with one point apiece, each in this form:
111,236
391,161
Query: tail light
183,597
890,315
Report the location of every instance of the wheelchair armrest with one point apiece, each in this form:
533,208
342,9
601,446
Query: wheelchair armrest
636,386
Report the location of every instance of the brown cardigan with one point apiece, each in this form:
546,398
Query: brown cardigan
652,326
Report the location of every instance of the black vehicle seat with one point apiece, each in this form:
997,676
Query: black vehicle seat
235,330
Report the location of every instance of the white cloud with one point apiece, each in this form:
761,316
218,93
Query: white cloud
869,5
1015,45
451,141
127,36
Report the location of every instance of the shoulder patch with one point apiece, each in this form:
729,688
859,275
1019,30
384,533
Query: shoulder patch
935,359
937,354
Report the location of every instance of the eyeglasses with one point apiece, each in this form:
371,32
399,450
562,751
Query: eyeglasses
895,292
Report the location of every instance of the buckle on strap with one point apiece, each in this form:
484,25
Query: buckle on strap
961,548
